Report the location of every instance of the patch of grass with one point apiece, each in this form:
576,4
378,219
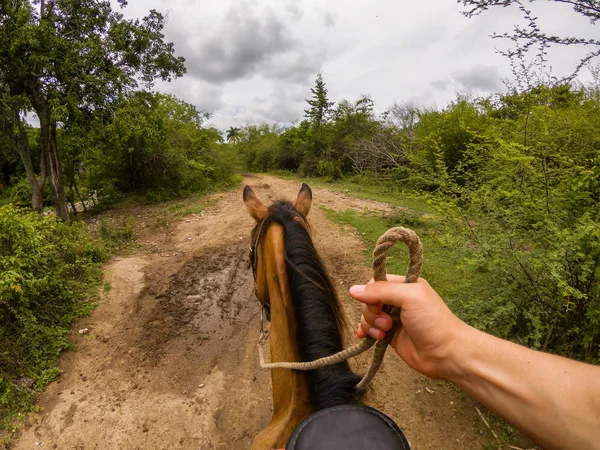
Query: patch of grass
184,209
159,220
172,211
117,235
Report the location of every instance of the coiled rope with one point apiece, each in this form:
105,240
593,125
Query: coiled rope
382,248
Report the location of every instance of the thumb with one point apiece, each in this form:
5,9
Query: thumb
395,294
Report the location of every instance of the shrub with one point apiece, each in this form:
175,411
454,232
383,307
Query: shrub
49,271
524,197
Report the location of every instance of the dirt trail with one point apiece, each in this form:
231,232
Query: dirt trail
170,360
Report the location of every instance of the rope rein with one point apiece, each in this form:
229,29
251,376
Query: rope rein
382,248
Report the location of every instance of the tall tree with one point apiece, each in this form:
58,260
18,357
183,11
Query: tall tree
319,103
70,58
234,135
532,37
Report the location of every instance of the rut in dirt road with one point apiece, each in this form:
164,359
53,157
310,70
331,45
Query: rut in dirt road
207,299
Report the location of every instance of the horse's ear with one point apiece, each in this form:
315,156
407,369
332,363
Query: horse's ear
304,200
255,207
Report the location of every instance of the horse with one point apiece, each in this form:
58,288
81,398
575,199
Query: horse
305,312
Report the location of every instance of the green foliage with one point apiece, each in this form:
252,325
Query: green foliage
260,147
319,103
68,61
20,192
49,272
331,170
514,244
156,145
522,194
116,235
351,140
233,135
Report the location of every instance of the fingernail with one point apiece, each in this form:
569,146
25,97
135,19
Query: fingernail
380,322
358,289
374,332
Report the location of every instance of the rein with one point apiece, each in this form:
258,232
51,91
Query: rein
265,310
385,242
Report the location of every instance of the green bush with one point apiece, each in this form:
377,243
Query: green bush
523,194
48,273
331,170
20,192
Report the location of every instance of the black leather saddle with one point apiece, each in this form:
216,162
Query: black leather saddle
348,427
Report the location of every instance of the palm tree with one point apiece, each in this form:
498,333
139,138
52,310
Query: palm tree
233,135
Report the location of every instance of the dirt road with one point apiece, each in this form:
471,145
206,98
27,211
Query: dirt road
170,359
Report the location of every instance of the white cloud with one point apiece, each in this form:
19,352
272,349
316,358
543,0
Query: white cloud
255,60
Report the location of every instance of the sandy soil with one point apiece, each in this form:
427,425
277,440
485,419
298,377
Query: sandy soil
170,359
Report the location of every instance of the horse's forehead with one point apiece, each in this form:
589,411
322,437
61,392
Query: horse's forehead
270,260
274,237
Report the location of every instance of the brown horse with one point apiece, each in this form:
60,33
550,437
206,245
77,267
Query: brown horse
306,317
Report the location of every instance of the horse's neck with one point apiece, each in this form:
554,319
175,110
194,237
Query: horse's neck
291,398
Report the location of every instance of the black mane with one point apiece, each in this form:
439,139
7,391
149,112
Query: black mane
318,312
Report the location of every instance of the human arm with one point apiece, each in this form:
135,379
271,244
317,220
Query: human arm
554,400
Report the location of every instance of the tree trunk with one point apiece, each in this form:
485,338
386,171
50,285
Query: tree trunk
55,177
78,194
50,156
37,201
36,184
48,145
72,203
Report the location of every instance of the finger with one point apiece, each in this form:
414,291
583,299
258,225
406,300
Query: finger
370,330
388,293
399,335
391,278
378,319
360,333
374,308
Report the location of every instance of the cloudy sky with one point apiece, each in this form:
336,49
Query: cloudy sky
251,61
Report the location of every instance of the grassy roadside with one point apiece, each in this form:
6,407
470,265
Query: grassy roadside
446,264
51,275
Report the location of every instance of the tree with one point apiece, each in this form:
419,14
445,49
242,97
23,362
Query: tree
234,135
532,37
156,143
382,151
404,115
319,103
69,59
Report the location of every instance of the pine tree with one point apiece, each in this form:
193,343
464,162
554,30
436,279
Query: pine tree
319,103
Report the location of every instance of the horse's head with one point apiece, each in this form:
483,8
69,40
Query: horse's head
260,213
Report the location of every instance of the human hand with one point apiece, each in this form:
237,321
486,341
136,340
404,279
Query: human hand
430,332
